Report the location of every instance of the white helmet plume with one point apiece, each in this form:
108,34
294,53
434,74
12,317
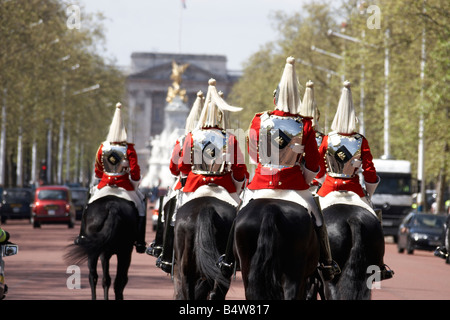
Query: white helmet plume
309,107
214,110
345,119
308,104
194,115
288,97
117,131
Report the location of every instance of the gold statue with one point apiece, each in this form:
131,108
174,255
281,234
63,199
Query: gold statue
175,89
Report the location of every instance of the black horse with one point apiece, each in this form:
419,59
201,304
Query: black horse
357,245
201,233
277,248
111,228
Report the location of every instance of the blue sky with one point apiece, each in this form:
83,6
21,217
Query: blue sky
235,28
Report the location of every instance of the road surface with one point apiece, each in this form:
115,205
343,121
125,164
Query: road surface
39,272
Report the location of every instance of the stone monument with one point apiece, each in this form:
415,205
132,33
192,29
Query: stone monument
161,146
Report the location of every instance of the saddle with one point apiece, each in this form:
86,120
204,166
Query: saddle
345,197
301,197
216,191
134,196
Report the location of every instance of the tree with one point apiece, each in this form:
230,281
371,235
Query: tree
53,80
397,33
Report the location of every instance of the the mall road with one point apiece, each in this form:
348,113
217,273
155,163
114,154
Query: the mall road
39,271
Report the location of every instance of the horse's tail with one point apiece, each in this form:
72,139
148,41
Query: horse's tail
263,280
352,282
95,244
206,251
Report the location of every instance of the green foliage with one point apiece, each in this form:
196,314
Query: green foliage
44,67
409,96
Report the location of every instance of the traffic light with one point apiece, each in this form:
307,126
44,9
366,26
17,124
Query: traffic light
43,173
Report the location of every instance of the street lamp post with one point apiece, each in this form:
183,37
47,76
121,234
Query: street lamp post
49,122
421,147
362,128
19,169
3,140
336,56
387,153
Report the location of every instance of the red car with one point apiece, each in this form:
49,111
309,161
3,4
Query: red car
52,204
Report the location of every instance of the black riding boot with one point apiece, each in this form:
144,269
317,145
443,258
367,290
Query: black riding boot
82,236
328,267
227,261
164,261
155,248
140,241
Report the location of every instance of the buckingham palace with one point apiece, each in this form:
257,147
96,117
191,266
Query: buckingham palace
147,86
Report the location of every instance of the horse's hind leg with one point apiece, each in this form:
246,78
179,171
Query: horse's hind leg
106,281
123,264
93,275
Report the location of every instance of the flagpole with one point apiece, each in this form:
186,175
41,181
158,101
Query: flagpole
180,25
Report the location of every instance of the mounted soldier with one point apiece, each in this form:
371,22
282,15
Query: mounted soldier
215,170
344,152
309,110
209,158
279,141
211,154
117,173
175,197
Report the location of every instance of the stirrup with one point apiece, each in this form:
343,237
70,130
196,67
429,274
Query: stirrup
329,270
79,240
221,263
164,265
153,250
227,268
441,252
386,272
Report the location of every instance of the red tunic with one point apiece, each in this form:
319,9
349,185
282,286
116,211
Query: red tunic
290,178
347,184
122,181
175,161
194,181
